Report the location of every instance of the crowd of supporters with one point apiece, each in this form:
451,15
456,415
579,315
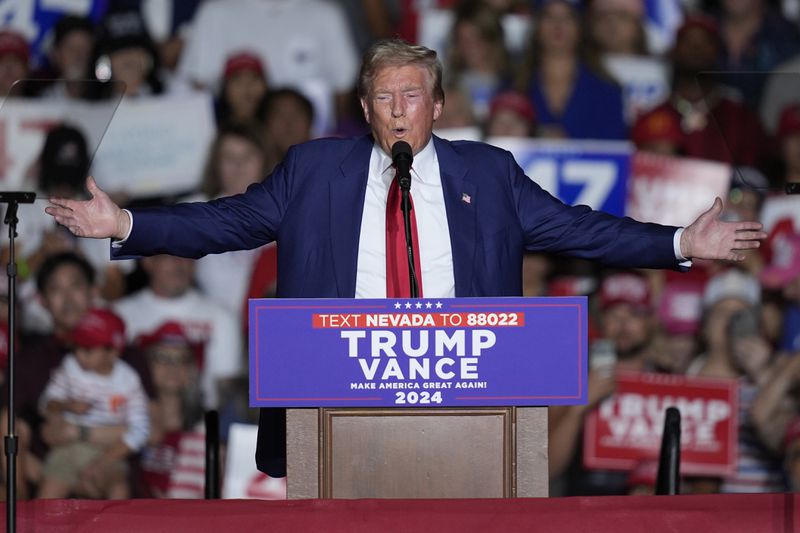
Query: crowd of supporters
118,360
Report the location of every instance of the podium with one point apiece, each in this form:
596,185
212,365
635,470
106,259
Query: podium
479,452
353,374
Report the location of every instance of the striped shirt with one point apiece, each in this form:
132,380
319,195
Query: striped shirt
116,399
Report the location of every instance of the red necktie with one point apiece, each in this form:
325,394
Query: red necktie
396,256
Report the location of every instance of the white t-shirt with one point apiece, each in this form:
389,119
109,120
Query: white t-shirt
225,278
204,322
116,399
305,44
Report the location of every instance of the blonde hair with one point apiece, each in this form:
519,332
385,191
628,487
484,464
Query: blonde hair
398,53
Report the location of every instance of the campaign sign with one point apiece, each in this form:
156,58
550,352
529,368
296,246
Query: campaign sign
674,190
627,427
593,173
425,352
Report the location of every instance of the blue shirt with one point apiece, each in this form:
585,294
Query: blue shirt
593,111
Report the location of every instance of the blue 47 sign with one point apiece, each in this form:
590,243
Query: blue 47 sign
593,173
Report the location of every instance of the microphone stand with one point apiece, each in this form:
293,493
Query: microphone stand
405,205
13,199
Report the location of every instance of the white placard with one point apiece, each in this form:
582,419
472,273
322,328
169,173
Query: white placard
156,145
242,479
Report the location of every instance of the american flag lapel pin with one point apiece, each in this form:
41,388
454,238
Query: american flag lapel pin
466,198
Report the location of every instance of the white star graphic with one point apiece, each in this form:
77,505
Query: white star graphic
397,305
438,305
428,305
418,305
408,305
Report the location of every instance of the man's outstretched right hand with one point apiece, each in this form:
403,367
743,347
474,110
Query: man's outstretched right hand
98,217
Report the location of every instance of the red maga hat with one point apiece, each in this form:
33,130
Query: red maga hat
99,327
243,62
14,43
624,288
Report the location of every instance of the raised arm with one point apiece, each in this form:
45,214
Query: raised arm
98,217
708,237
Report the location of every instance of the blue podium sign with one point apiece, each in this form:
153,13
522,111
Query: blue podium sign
426,352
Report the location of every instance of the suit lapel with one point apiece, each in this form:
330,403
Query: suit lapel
347,190
460,204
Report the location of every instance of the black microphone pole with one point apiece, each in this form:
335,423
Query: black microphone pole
402,157
405,205
13,199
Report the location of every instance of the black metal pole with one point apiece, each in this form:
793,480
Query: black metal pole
405,205
11,436
212,491
669,461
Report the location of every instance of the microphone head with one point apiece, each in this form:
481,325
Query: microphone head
402,150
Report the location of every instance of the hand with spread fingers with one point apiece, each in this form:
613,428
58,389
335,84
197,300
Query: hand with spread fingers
99,217
708,237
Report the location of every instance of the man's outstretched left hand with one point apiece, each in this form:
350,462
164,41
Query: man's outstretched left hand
708,237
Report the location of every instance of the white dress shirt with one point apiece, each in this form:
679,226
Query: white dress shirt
435,253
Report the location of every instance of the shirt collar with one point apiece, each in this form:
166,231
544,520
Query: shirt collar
423,162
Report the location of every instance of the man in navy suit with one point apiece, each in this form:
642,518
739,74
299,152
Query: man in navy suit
325,204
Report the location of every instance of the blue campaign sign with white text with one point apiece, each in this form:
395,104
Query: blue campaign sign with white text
593,173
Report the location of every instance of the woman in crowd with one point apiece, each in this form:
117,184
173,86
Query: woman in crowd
617,43
244,85
237,159
570,98
478,61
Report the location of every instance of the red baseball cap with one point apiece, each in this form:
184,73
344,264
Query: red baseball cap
784,266
789,123
14,43
243,62
626,288
99,327
658,125
171,333
515,102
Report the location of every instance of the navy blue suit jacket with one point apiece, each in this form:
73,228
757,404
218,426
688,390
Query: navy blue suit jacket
312,205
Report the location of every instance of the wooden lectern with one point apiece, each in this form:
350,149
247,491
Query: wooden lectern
480,452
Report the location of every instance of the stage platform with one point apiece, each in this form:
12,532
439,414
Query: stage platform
763,513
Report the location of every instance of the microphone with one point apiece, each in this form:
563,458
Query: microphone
402,159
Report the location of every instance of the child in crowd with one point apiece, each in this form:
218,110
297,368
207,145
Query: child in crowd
93,387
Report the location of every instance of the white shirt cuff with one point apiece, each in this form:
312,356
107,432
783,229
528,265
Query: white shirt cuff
676,245
119,243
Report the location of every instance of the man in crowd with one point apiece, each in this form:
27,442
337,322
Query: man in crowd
66,286
477,212
170,296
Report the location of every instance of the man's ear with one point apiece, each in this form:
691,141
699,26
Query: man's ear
438,106
365,109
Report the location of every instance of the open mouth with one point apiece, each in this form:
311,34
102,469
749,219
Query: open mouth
399,132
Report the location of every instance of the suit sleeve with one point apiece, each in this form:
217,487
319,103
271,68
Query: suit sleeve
551,226
239,222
